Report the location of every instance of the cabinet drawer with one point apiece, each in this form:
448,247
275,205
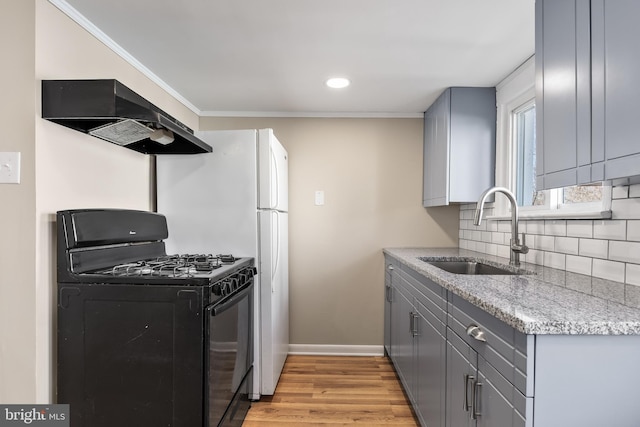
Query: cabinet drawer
501,400
428,293
499,349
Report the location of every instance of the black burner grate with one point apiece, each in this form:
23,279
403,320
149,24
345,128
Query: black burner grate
183,265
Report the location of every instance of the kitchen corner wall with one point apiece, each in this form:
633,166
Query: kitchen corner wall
60,169
17,216
371,173
606,249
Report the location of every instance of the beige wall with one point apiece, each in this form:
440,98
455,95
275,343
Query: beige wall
17,202
61,169
371,173
369,169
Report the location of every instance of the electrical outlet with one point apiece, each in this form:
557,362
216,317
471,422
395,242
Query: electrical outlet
10,168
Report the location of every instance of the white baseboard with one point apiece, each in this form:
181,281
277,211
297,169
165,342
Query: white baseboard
336,350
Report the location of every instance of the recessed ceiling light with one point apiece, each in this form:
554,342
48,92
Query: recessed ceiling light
338,82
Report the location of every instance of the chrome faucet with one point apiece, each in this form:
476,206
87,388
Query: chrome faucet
517,248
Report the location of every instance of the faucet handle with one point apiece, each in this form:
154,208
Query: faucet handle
519,247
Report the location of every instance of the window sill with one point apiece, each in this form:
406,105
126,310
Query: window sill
554,215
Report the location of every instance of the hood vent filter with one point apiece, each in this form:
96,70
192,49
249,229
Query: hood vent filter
124,132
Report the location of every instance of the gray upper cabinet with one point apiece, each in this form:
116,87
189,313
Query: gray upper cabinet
459,146
586,61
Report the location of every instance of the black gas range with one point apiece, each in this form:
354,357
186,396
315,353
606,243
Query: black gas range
146,338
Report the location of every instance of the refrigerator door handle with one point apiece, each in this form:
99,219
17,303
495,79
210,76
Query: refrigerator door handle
275,185
275,216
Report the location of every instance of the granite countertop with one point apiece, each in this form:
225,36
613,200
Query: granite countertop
548,302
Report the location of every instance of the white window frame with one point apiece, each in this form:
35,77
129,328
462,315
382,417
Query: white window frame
515,91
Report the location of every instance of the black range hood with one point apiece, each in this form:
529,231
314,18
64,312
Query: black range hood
109,110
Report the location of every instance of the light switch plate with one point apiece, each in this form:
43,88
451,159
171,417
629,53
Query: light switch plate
9,167
319,198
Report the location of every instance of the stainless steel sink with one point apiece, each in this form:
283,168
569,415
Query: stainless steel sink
473,267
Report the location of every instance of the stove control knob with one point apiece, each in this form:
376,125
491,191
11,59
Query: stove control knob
217,289
234,284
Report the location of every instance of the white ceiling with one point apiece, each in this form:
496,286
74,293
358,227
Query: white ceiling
271,57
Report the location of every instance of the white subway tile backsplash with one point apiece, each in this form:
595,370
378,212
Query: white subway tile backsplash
504,226
545,243
467,214
620,192
555,227
578,264
610,270
566,245
498,238
625,209
480,247
633,230
503,251
632,276
612,230
634,190
580,228
624,251
534,257
492,249
555,260
482,227
604,249
593,248
535,227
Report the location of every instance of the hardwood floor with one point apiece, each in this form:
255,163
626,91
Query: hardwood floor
334,391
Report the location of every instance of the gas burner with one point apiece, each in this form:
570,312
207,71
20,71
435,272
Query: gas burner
182,265
226,259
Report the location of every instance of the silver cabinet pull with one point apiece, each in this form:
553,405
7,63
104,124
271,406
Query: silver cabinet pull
390,267
388,293
414,331
465,403
475,412
411,319
476,333
413,327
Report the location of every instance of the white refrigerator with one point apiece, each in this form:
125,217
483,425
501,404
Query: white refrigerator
234,200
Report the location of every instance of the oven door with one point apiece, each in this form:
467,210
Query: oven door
230,358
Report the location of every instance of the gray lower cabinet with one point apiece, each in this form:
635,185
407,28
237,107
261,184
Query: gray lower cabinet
388,277
444,371
479,392
587,64
418,344
462,367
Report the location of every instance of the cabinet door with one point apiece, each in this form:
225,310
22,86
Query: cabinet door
616,65
402,339
431,346
436,152
472,136
563,90
388,301
461,372
497,399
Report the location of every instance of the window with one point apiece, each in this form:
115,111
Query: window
524,140
516,158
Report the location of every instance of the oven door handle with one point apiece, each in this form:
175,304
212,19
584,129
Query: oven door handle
221,308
